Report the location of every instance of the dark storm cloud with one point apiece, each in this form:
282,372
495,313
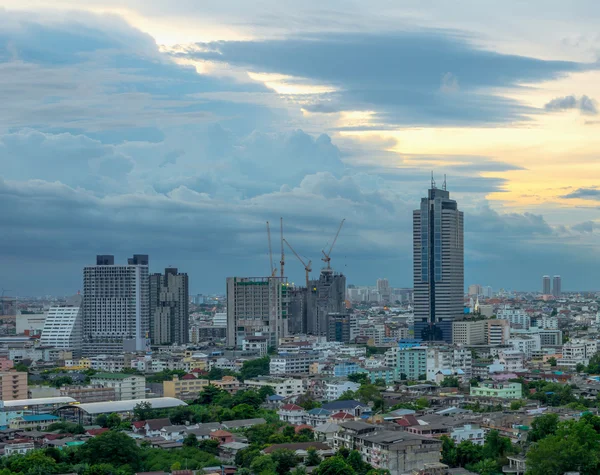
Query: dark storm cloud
416,77
585,194
584,104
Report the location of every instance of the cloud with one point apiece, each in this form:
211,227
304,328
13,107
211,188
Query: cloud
584,193
584,104
398,74
585,227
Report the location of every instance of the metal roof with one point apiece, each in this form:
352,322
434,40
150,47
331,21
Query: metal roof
38,401
125,406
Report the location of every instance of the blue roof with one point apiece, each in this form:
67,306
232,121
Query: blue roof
319,411
40,418
336,405
276,397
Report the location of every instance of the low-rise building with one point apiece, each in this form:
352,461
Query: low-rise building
470,432
92,393
292,363
498,389
33,421
13,385
333,391
284,387
292,414
126,386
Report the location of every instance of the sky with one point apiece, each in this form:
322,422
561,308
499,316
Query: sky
177,129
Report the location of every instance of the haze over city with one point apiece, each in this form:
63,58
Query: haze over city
176,129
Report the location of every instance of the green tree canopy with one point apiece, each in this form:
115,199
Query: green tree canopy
114,448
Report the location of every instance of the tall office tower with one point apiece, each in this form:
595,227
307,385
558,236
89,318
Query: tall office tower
115,306
326,295
475,290
487,292
556,286
438,267
546,285
63,326
383,287
297,310
256,306
169,308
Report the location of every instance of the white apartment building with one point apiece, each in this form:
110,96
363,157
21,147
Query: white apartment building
116,306
63,329
333,391
526,344
33,323
127,386
258,344
549,323
578,351
517,317
283,387
513,360
498,331
470,432
448,358
297,363
219,319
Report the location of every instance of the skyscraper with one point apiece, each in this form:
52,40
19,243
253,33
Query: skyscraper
256,306
325,295
115,306
546,285
438,267
169,308
63,326
383,287
556,286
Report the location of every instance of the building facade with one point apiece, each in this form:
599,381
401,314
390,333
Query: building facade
256,306
115,306
546,285
126,386
63,327
556,286
325,296
13,385
342,327
469,332
438,266
169,308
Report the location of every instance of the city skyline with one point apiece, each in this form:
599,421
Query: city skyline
177,129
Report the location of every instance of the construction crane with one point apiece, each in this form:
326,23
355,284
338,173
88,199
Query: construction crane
307,267
282,261
327,258
272,269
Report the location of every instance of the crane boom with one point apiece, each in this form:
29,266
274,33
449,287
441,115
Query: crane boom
272,269
327,258
307,267
282,261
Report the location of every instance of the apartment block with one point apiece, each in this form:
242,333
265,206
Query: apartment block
469,332
13,385
85,394
292,363
126,386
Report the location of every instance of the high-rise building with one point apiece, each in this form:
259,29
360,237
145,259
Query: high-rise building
546,285
438,267
169,308
13,385
63,326
556,286
256,306
383,287
341,327
115,306
324,296
475,290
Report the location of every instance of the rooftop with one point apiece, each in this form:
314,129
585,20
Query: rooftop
128,406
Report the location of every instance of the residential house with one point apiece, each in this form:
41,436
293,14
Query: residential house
352,407
317,416
292,414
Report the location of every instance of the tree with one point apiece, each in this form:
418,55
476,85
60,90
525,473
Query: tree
100,469
312,457
265,391
243,411
450,382
113,421
574,448
552,361
356,462
543,426
176,466
334,466
448,451
142,411
516,405
62,381
102,420
190,440
285,460
359,378
496,446
486,467
263,464
112,447
208,395
253,368
307,401
299,470
467,453
380,382
210,446
580,368
347,396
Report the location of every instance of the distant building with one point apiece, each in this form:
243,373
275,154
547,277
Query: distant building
169,308
383,287
469,332
438,265
546,285
498,331
257,344
256,306
13,385
29,323
92,393
498,389
126,386
292,363
115,305
556,286
475,290
341,327
63,327
325,296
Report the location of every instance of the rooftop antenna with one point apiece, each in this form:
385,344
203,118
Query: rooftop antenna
432,181
444,185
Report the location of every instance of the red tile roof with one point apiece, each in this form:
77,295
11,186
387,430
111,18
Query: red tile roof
342,416
302,427
95,432
188,376
291,407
